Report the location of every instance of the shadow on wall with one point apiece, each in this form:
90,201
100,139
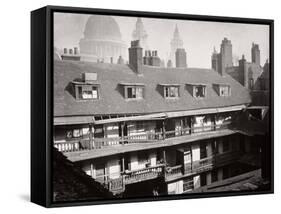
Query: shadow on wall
70,88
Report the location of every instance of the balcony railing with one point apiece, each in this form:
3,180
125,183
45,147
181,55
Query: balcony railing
98,143
174,171
117,185
202,165
143,174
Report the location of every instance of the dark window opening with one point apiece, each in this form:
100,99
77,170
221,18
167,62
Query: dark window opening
214,175
199,91
203,179
203,150
171,91
135,92
225,145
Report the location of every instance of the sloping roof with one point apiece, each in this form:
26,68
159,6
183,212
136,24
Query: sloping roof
70,183
111,98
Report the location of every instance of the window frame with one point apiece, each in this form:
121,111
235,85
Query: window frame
203,91
134,92
169,89
218,89
80,88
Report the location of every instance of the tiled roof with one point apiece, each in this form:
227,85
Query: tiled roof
111,76
70,183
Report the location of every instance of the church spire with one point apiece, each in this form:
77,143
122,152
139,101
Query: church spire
176,33
175,43
139,33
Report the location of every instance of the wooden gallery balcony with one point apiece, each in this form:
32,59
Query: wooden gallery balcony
202,165
117,185
169,173
143,174
89,143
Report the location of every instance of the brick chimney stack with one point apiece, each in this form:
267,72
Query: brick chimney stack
135,56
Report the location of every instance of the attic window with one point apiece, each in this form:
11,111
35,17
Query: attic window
223,90
86,91
133,91
171,90
197,90
87,88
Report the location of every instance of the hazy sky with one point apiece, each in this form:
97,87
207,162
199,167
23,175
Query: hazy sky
199,37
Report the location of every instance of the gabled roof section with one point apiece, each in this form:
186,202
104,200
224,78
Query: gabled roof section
112,101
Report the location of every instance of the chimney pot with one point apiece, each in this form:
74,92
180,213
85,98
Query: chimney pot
70,51
75,50
65,50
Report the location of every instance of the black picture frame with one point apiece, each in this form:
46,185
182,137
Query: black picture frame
42,102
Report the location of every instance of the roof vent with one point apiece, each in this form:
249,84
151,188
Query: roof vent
89,77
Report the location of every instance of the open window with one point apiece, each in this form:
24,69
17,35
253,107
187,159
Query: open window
197,90
223,90
171,90
133,91
87,88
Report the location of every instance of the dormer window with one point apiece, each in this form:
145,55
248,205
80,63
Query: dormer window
223,90
133,91
88,88
171,90
197,90
88,92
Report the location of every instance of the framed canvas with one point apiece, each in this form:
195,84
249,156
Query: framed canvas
134,106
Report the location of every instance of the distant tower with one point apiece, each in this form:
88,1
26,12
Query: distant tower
181,58
175,43
140,34
215,60
225,55
255,54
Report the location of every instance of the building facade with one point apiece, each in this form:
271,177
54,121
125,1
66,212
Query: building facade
144,130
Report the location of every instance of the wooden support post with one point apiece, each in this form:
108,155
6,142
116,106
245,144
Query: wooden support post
122,132
191,158
92,170
164,156
214,119
91,136
191,125
123,164
181,121
163,129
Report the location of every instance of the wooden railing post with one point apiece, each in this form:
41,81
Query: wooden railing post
122,133
163,130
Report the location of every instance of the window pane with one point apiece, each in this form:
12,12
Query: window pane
95,93
199,91
80,92
87,95
171,91
139,93
166,92
130,93
134,92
